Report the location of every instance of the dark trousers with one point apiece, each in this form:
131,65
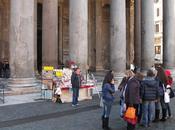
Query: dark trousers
75,96
139,113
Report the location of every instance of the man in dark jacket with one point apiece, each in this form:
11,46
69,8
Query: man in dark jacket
149,95
76,83
132,97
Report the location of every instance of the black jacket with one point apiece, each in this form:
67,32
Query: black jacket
149,89
75,80
132,92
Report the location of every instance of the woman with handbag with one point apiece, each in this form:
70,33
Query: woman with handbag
108,91
132,99
162,79
169,90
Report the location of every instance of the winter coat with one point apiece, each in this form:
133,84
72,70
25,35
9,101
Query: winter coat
132,93
108,91
149,89
75,80
161,87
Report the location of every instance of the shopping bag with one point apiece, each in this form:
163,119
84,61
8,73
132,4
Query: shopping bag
166,97
130,113
131,121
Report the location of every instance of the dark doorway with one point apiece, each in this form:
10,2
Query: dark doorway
39,37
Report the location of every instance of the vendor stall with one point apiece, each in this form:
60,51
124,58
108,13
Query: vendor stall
57,83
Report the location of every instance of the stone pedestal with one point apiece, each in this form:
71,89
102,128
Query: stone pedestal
148,28
22,44
118,36
50,33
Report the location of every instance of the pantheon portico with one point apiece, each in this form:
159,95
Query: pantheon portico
101,34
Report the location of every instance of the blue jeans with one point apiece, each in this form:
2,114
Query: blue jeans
169,109
148,108
107,108
75,96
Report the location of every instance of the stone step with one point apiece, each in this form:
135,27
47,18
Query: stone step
21,91
10,91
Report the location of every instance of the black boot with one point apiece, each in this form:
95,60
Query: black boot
157,112
103,122
106,124
163,115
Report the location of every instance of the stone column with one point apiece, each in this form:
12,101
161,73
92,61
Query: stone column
99,62
5,29
169,33
118,36
35,36
0,34
22,43
78,25
61,7
50,33
137,31
129,32
91,35
147,26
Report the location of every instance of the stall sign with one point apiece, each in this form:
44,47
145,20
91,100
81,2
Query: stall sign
48,68
59,73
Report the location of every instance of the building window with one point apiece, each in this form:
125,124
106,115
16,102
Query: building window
157,49
157,28
156,1
157,12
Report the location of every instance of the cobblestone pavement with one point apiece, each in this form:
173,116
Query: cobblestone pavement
49,116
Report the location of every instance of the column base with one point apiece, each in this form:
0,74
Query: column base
18,86
99,68
22,82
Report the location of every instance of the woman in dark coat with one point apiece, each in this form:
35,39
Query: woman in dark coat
108,91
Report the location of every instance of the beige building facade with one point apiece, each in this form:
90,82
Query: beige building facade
100,34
